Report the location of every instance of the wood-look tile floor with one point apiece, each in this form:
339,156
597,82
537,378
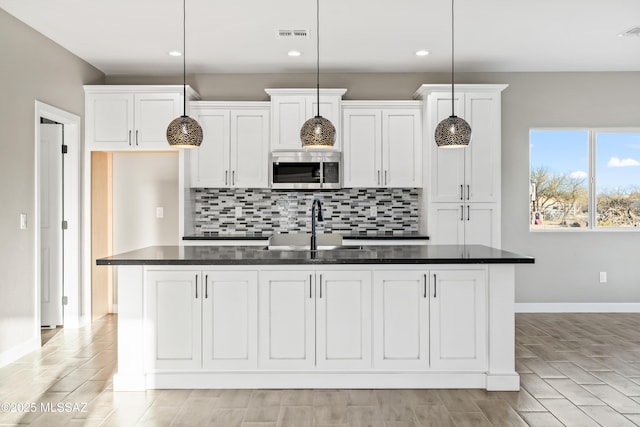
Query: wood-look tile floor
576,370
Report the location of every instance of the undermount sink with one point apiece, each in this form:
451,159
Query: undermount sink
301,242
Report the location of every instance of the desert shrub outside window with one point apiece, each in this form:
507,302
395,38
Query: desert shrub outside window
584,179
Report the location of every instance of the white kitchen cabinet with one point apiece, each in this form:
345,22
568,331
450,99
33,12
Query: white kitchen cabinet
290,108
315,319
230,320
469,175
382,144
343,320
123,118
173,305
286,320
235,149
465,223
401,321
458,320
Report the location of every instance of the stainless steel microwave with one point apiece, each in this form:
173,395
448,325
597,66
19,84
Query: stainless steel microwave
305,169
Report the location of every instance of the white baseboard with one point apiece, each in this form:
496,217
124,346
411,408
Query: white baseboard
577,307
19,350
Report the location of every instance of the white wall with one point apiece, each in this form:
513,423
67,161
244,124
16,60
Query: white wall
32,68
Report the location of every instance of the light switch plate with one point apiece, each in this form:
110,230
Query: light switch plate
23,221
159,212
238,211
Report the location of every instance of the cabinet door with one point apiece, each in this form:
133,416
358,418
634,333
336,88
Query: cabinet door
153,113
288,115
362,149
230,323
343,313
401,148
173,309
249,148
109,121
458,320
401,323
329,109
447,223
482,162
209,163
287,320
482,224
447,164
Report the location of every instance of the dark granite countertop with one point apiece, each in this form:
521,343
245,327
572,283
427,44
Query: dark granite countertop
252,255
211,235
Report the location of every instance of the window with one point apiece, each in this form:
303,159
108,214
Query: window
584,179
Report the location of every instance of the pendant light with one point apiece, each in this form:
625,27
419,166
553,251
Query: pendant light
318,132
453,131
183,131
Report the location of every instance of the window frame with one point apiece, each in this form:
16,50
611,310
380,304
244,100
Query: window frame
592,133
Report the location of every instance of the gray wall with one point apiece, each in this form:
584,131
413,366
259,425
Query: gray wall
32,68
567,264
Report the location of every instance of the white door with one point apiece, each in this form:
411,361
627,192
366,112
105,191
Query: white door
289,114
458,320
329,109
286,320
401,324
482,224
343,325
447,164
51,216
173,311
249,148
209,163
110,121
446,223
230,320
153,113
401,148
362,149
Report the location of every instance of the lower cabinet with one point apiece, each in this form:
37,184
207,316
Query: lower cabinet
201,320
312,320
465,224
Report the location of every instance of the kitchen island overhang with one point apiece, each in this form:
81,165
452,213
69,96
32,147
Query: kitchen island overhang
378,317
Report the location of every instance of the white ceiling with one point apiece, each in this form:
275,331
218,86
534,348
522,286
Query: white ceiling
134,36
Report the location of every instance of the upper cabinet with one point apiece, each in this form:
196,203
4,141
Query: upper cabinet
235,149
290,108
123,118
382,144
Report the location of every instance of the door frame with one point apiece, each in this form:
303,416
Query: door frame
73,311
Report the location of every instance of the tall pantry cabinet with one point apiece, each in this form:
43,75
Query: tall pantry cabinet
463,190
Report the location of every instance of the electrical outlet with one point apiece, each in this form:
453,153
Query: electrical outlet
603,277
238,211
23,221
373,211
159,212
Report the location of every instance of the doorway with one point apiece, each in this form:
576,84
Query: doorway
57,218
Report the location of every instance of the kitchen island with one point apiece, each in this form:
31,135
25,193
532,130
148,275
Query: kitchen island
427,316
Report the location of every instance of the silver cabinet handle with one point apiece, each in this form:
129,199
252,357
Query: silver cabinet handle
461,192
233,177
468,192
425,286
129,138
206,286
196,286
468,213
321,286
226,177
461,212
435,286
378,182
385,177
310,295
136,138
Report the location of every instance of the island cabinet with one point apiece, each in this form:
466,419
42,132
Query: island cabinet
382,144
235,149
290,108
202,319
317,320
129,118
463,181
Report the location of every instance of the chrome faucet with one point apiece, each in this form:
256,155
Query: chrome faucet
320,217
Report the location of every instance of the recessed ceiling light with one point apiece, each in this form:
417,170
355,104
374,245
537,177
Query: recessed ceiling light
175,53
422,53
294,53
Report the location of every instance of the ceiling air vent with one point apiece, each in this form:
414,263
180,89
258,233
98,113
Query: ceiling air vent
292,34
631,32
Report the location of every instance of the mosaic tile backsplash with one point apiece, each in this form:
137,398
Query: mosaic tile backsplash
271,211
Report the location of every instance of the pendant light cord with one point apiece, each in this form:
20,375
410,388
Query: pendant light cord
452,62
184,57
318,53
